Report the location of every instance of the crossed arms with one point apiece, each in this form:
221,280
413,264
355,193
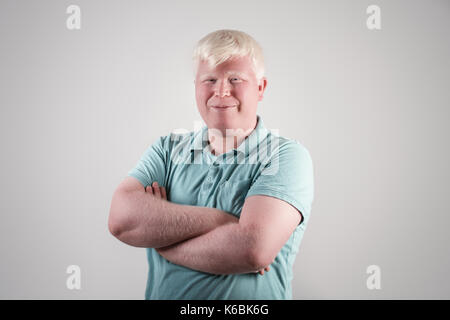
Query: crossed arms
201,238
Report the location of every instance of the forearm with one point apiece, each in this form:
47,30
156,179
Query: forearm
154,223
225,250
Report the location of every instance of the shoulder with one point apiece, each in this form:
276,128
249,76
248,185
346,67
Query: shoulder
287,149
176,146
174,140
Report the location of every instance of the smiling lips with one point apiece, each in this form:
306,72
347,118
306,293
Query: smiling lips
223,107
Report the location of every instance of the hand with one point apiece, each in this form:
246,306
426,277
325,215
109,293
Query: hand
157,191
261,272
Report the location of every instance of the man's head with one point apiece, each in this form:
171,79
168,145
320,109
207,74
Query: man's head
229,79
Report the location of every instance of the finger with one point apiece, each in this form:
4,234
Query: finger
261,272
267,268
163,193
149,189
156,189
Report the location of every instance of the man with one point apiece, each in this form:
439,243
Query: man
217,206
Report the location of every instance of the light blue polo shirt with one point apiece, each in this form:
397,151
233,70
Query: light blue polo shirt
263,164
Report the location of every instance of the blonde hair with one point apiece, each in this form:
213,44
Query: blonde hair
222,45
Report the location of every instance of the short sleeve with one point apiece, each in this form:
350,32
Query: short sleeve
288,176
152,165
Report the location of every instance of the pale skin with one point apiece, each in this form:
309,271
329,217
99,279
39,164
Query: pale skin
201,238
160,193
233,83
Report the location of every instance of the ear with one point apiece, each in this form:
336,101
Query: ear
262,84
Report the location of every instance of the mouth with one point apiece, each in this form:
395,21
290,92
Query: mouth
221,108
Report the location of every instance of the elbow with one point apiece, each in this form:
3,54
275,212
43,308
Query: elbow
120,227
117,224
258,262
124,226
259,259
258,251
119,218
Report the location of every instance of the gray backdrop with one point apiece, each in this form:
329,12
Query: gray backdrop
79,108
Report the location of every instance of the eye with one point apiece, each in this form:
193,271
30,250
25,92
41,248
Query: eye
235,79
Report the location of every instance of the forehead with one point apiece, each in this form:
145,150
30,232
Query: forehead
237,66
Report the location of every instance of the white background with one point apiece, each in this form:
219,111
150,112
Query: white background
79,108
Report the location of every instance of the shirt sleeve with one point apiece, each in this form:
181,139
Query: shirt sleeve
152,165
288,176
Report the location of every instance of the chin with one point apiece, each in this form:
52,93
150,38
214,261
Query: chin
222,122
231,119
219,123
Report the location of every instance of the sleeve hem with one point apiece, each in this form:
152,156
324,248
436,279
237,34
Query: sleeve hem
282,196
138,176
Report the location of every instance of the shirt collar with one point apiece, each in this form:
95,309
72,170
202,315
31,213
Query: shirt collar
258,134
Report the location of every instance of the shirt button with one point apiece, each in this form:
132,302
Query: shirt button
209,179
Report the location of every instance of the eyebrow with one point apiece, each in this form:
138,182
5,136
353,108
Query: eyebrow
232,72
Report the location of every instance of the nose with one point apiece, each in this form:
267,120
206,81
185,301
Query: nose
222,88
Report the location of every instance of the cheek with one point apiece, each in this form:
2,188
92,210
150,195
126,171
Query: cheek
245,93
203,93
200,95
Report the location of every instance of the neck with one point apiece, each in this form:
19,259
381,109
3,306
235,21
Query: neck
222,141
